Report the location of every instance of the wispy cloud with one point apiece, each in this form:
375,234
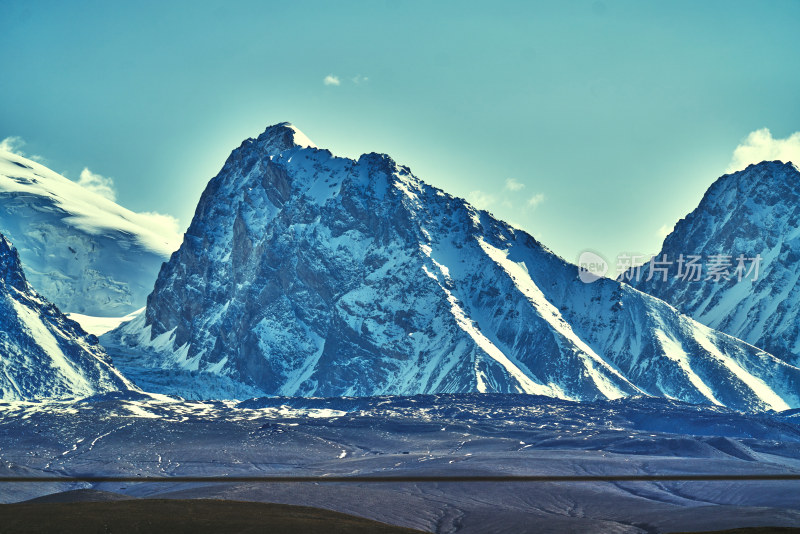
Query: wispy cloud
334,80
513,185
14,145
502,198
536,200
481,199
98,184
160,223
760,146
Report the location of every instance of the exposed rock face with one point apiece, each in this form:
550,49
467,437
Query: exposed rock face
84,252
751,213
308,274
42,353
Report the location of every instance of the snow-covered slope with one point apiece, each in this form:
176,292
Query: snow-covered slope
84,252
42,353
100,325
751,213
307,274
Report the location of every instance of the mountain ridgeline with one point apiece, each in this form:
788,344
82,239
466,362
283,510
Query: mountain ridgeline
307,274
750,222
43,354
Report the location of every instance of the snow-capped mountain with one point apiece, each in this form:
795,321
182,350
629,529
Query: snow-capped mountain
748,225
307,274
84,252
43,354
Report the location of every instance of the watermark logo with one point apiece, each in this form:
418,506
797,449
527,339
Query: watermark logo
690,268
591,267
684,267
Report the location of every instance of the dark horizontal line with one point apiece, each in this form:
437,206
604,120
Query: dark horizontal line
409,479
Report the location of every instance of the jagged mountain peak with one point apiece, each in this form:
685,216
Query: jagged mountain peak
283,136
307,274
10,266
762,180
750,221
769,166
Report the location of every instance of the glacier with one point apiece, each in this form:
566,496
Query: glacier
83,252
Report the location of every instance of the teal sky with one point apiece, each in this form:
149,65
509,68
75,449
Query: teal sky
609,118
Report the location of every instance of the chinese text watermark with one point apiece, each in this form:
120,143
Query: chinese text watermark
684,267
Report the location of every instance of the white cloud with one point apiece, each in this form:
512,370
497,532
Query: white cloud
12,144
160,223
513,185
357,79
761,146
536,200
98,184
481,199
330,79
163,225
